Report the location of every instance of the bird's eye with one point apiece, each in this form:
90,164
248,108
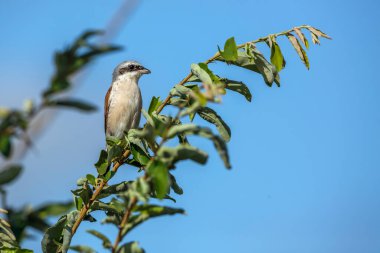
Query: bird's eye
131,67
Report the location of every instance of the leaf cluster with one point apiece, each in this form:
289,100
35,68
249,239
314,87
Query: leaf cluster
164,141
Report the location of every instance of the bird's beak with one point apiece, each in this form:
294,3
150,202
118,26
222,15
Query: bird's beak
145,71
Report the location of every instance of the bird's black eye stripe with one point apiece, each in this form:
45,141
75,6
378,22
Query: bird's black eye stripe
130,68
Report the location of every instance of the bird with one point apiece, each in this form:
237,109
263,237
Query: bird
123,101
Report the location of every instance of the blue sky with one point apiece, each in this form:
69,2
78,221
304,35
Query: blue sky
305,157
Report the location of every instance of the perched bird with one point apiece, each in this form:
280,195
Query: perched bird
123,102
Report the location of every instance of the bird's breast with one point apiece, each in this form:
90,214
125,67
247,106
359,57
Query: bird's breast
124,108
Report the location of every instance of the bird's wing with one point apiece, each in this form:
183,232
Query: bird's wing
106,107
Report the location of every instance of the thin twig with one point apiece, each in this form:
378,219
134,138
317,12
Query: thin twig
124,222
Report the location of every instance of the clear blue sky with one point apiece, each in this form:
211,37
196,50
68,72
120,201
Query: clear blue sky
305,175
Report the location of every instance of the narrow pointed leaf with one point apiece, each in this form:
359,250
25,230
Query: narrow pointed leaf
10,173
302,37
72,103
300,51
211,116
5,145
149,211
191,129
170,155
237,86
174,185
319,33
105,241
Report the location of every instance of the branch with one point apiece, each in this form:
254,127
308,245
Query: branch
126,154
124,221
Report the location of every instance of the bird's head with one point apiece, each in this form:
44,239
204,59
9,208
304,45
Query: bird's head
129,70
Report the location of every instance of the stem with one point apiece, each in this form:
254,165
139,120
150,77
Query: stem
124,221
116,166
86,207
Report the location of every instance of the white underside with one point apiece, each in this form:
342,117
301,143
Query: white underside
125,105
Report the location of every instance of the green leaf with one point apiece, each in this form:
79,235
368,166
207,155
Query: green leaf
10,173
191,129
174,185
140,189
131,247
57,85
91,179
300,51
139,155
5,145
181,90
58,237
53,209
146,212
211,116
203,73
114,152
102,164
114,189
251,58
71,103
276,56
78,203
154,104
84,192
106,242
114,206
82,249
237,86
267,70
169,155
159,174
230,52
14,250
